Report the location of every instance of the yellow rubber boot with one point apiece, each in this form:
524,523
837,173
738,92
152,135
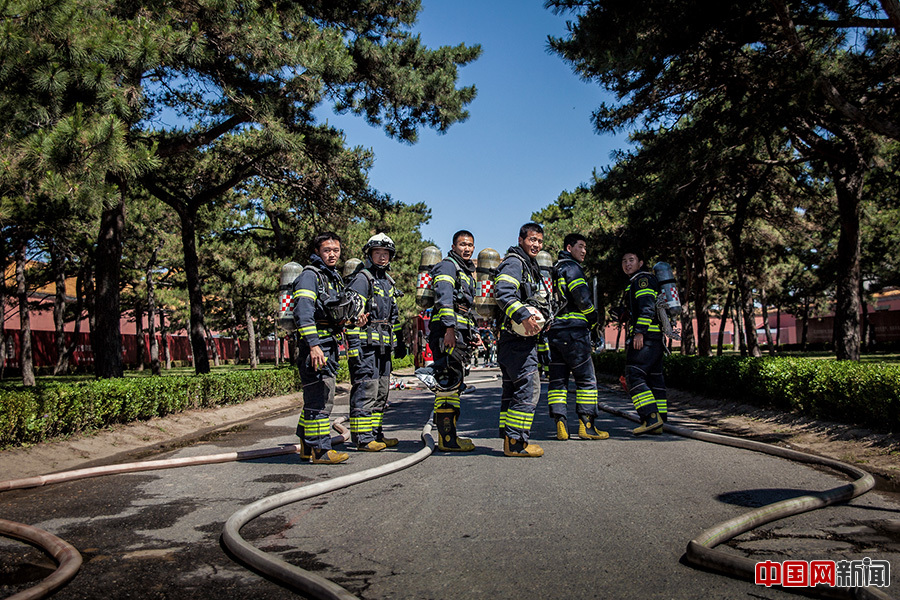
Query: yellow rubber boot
332,457
652,424
448,441
305,451
521,448
389,442
562,432
373,446
587,431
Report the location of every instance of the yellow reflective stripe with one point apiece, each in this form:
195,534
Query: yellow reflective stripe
513,307
316,427
518,419
447,278
556,396
450,399
644,320
643,399
502,419
588,311
577,316
353,353
508,279
396,328
377,419
308,330
645,292
576,282
301,293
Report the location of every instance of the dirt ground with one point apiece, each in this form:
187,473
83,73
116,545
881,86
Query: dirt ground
875,452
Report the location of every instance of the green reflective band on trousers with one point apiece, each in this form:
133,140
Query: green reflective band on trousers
556,396
586,396
643,399
519,420
315,426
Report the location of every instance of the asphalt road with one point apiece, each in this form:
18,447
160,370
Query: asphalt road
590,519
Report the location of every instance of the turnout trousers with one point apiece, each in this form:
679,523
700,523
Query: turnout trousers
570,354
644,375
521,376
458,354
318,395
370,381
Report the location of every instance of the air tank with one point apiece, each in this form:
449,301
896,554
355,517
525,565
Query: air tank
667,288
545,261
350,267
485,303
285,317
424,290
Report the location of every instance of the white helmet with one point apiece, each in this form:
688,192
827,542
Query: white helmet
520,328
379,240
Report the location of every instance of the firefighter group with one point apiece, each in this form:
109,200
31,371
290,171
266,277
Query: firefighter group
545,315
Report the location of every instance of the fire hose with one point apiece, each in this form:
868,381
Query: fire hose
68,558
701,550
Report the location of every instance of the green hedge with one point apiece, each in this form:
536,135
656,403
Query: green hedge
850,392
30,415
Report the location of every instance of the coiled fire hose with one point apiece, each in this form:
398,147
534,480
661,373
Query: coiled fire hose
291,575
67,557
701,550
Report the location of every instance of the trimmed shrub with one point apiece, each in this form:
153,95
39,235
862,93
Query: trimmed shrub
31,415
858,393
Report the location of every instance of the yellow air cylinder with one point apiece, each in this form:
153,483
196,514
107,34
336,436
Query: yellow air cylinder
424,290
350,267
485,303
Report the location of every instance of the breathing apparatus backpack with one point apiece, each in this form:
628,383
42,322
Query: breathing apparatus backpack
668,304
340,305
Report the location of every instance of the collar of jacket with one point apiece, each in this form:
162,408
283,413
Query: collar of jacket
563,255
316,261
468,265
530,262
638,272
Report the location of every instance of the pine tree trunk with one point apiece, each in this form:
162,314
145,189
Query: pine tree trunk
848,185
804,336
701,299
212,345
741,344
195,292
106,332
251,335
59,310
778,328
725,312
864,325
27,362
151,319
765,316
139,333
2,324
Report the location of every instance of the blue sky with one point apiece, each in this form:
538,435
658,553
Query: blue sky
528,138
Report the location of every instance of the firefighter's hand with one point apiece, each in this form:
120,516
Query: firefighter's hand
450,338
531,325
637,342
362,320
317,357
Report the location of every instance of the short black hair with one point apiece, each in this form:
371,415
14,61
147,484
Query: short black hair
636,251
460,233
572,239
324,237
527,228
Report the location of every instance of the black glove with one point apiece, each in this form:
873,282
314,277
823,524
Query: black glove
400,350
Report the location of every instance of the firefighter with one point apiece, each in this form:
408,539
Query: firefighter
569,337
452,329
318,333
521,293
644,345
369,348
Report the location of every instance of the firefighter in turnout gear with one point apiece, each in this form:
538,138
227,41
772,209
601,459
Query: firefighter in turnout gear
370,347
644,345
520,292
570,344
452,329
317,348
